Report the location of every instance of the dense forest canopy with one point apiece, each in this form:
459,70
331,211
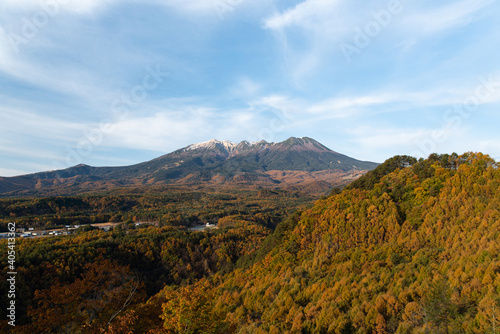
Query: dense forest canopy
411,247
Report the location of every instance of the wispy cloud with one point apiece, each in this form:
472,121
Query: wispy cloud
341,107
307,33
17,122
445,17
85,7
270,69
167,130
12,172
245,88
193,6
307,14
410,141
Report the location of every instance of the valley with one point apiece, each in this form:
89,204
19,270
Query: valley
408,247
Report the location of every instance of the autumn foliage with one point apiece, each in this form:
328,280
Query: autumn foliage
413,247
416,252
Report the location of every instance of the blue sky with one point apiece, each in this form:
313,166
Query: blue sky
108,82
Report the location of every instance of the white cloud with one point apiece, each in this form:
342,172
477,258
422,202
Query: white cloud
308,33
13,150
306,14
6,49
345,106
92,7
342,107
17,121
191,5
376,138
74,67
41,72
446,17
83,7
275,101
6,172
217,10
491,147
418,142
169,130
245,88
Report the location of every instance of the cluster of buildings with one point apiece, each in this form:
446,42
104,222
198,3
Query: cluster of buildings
31,233
67,230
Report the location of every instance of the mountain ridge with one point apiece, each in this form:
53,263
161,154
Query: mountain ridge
232,148
211,162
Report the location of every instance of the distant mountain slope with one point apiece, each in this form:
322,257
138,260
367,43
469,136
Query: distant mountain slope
218,162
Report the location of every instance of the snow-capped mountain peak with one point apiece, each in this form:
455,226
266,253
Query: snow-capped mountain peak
227,147
211,144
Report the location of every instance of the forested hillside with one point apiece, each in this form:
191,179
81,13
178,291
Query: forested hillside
411,247
414,251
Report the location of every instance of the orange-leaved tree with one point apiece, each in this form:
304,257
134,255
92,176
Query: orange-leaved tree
90,303
190,310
